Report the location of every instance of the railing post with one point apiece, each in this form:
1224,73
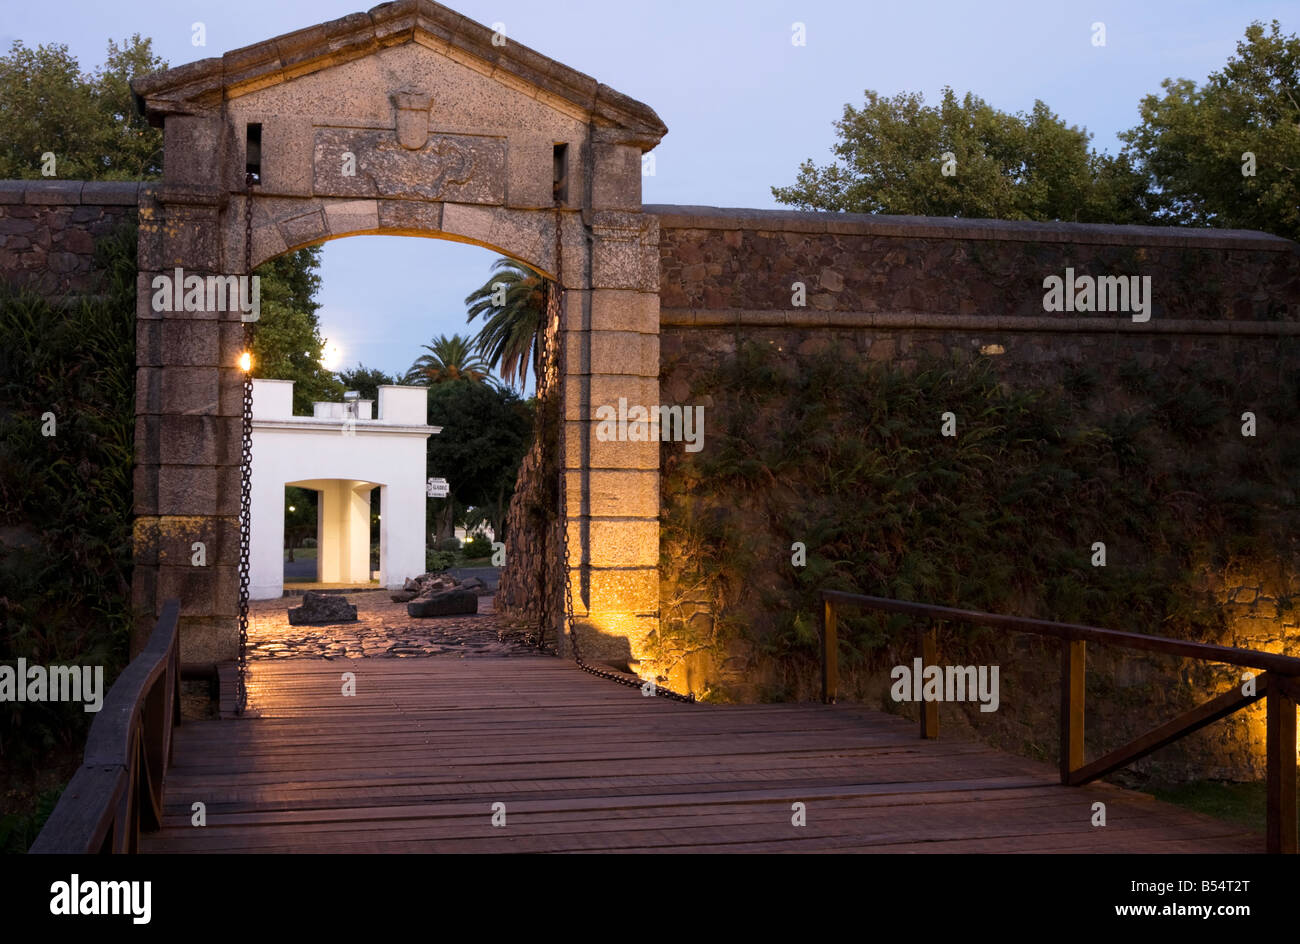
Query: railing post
830,654
1281,776
929,709
1073,665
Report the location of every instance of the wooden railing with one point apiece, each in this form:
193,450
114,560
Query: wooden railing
118,789
1279,685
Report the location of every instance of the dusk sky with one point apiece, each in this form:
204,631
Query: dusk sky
742,104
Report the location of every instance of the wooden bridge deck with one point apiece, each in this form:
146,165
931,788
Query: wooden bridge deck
416,759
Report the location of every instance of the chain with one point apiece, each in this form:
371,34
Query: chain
245,467
568,628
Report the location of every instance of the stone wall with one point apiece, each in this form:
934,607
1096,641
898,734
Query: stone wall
48,230
894,290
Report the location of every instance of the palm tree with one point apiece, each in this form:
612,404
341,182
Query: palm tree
510,337
449,358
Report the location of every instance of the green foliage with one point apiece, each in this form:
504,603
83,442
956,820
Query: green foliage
287,344
449,359
1016,167
485,433
88,121
510,337
476,546
438,561
1000,518
1191,141
66,500
366,381
449,545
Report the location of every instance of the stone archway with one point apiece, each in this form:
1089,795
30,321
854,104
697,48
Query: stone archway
406,120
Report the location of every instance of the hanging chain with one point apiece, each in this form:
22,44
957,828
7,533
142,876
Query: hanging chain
245,466
567,627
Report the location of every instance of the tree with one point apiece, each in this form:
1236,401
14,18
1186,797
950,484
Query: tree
365,380
1192,143
287,344
510,334
449,358
87,121
486,431
965,158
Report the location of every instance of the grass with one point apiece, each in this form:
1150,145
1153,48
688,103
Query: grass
1240,803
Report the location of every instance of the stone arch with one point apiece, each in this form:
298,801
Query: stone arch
450,135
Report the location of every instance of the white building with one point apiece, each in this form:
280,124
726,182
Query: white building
342,452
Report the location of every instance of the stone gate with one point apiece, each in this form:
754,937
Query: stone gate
406,120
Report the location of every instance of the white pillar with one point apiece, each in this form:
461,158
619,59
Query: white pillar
266,539
357,533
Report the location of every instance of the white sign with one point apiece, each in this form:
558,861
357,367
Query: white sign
437,488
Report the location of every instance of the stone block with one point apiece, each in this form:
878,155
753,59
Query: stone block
287,150
144,478
447,603
530,161
616,177
195,146
613,454
210,639
624,352
320,609
189,389
620,542
169,540
632,493
352,216
191,343
614,310
634,590
187,490
410,217
187,439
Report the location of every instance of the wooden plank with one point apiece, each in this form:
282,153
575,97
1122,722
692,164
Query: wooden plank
415,760
1280,738
929,709
1073,664
830,654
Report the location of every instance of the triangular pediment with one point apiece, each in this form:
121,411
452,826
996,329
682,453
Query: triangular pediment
203,87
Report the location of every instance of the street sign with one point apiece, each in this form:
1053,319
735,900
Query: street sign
437,488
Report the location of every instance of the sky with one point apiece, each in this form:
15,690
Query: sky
744,106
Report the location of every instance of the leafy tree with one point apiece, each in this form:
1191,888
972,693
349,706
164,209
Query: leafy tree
510,334
449,358
485,433
891,158
88,121
365,380
287,344
1192,140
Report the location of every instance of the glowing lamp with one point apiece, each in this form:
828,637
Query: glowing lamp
246,361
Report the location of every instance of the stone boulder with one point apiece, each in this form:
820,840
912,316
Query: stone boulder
404,596
446,603
321,608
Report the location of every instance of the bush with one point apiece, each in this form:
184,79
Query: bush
477,546
66,499
437,561
448,544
